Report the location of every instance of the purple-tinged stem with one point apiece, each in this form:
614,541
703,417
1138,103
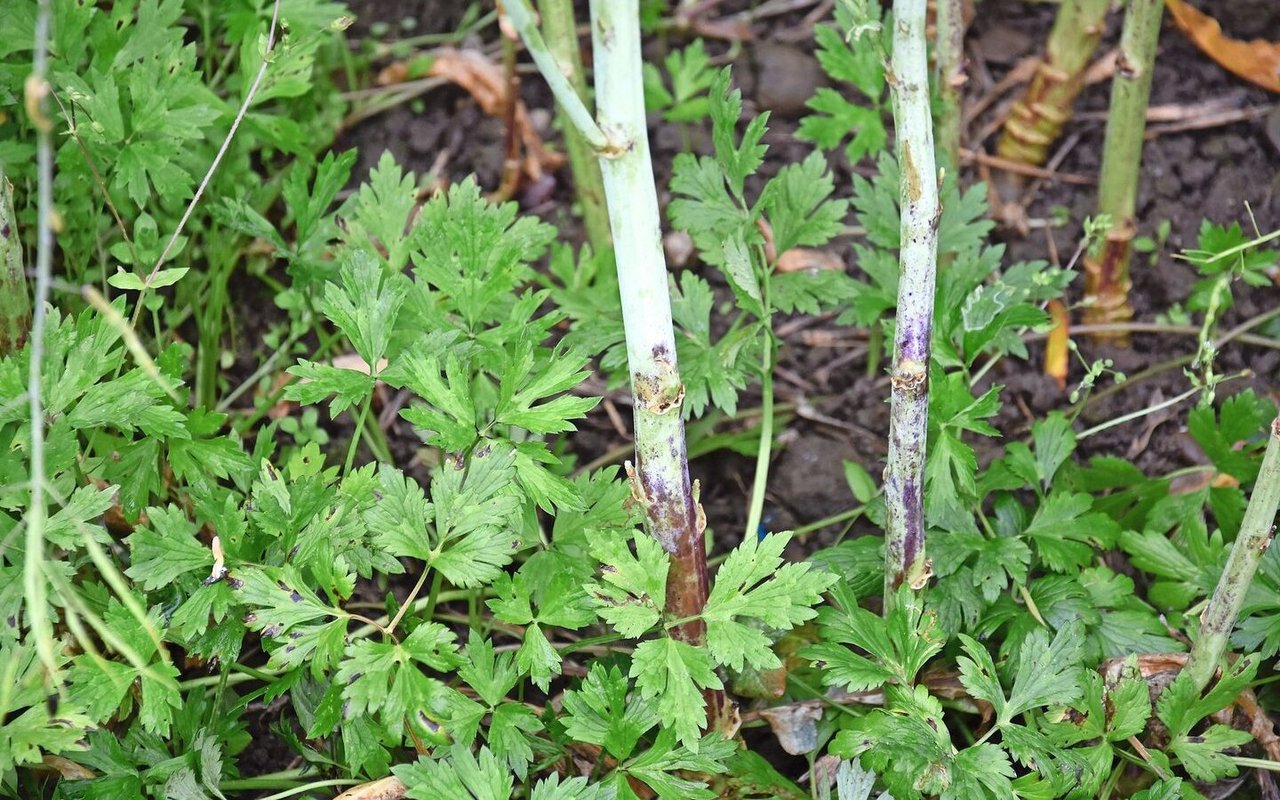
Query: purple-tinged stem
905,560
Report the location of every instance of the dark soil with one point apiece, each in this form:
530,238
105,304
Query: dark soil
1187,177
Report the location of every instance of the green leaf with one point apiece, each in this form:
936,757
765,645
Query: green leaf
511,728
529,381
571,789
1064,533
675,673
379,213
458,776
753,584
445,385
475,254
978,674
797,204
604,712
744,158
836,118
476,516
662,766
349,387
366,305
632,591
399,518
1180,706
899,646
492,675
1233,440
1048,673
386,677
166,549
1202,755
861,484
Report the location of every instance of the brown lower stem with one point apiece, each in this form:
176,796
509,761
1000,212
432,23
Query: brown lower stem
1107,280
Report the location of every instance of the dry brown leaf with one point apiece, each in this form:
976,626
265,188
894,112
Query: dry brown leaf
1055,347
354,362
1257,60
484,80
67,768
804,259
796,727
385,789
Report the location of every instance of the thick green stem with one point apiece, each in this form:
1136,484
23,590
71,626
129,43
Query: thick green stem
15,300
1036,120
1256,530
562,40
949,66
1107,274
662,469
621,142
905,560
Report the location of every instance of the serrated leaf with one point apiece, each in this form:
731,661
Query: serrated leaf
753,584
675,673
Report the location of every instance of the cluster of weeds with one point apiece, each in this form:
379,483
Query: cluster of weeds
490,621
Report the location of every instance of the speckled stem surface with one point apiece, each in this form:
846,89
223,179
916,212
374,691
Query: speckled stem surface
662,468
1256,531
905,560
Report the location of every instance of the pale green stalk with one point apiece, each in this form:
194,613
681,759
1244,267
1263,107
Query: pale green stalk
1256,530
662,468
949,64
905,561
15,300
1107,274
621,142
35,580
561,34
520,15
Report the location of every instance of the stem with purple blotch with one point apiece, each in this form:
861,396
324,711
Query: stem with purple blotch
620,138
905,561
1256,530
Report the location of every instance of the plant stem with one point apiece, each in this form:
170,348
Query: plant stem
764,452
521,18
15,300
1219,619
621,141
662,468
1036,120
34,576
1107,274
950,78
905,560
562,40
